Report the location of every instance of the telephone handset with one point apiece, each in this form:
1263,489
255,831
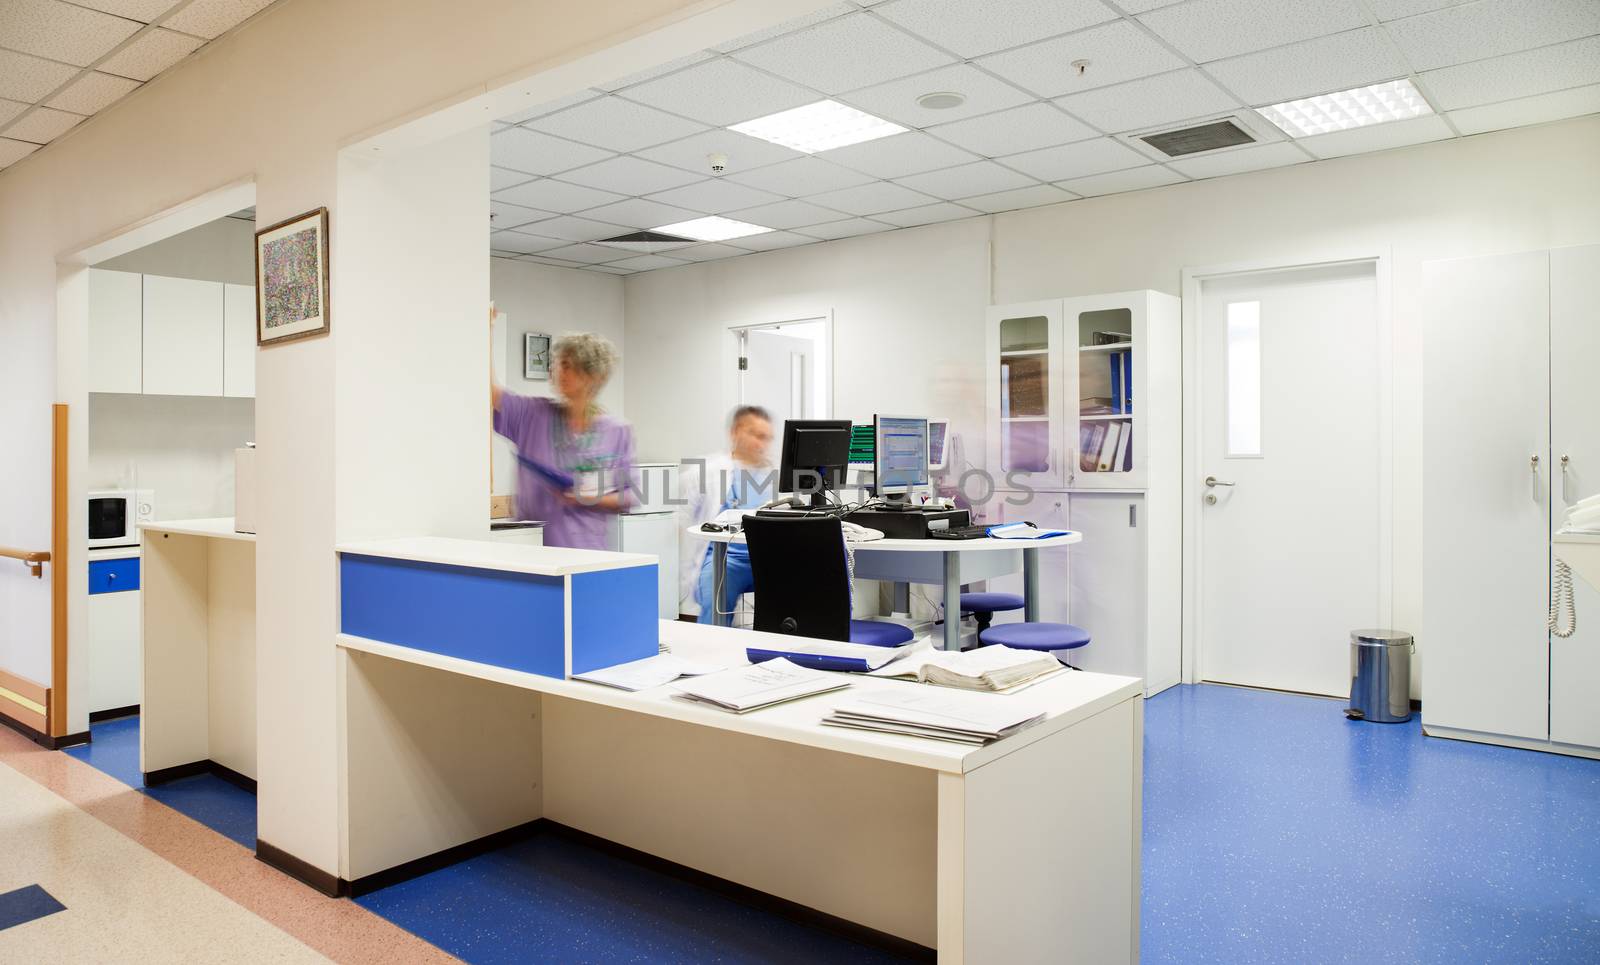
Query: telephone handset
1583,517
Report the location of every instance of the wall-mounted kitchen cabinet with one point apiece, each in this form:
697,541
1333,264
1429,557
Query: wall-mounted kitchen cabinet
116,312
170,336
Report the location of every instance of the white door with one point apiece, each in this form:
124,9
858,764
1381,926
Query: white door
778,375
1290,530
1485,508
1575,437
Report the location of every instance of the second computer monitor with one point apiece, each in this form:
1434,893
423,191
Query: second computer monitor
816,453
901,454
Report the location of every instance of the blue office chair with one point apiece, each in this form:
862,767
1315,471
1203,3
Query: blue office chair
802,582
1057,638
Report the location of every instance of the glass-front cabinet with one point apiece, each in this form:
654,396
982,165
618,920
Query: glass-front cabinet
1106,348
1025,385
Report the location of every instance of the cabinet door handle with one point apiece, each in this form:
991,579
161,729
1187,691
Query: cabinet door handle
1533,467
1566,497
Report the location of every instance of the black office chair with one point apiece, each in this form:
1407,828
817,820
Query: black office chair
802,582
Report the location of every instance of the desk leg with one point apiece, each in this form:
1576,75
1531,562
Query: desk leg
952,601
1030,585
719,579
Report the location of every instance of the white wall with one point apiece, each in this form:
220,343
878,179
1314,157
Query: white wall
557,301
909,304
180,446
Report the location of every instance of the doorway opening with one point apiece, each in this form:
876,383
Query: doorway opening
785,367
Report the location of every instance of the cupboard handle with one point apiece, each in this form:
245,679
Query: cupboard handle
1533,467
1566,497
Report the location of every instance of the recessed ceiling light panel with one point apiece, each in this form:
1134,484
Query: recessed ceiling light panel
712,229
818,127
1395,100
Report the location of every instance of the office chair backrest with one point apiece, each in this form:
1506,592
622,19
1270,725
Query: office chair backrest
802,585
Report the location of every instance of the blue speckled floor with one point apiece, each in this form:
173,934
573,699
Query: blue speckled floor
220,806
1277,831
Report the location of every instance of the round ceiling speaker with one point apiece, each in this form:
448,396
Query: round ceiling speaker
941,100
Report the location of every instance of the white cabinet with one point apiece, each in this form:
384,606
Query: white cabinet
183,336
1509,352
112,624
116,313
656,534
239,341
1025,384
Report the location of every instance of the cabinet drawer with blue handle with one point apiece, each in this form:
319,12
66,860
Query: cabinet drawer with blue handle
113,576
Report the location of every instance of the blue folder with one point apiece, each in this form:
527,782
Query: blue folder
812,661
554,477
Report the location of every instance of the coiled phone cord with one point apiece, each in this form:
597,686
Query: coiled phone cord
1561,599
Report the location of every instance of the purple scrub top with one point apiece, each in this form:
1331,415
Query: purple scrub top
548,455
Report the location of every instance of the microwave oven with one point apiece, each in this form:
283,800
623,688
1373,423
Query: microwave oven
115,515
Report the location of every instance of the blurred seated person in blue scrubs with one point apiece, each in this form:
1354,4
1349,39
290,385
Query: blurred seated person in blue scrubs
722,487
574,462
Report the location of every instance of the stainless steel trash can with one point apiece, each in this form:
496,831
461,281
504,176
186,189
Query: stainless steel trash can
1380,676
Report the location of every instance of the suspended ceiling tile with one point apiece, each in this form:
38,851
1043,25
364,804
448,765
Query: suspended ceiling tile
849,228
13,151
548,195
615,124
897,100
974,28
1238,161
1342,61
93,92
788,26
9,110
1142,6
552,262
212,18
714,196
1033,197
927,214
1212,29
656,71
586,254
150,54
647,262
502,178
721,92
639,213
772,239
709,252
1149,102
572,228
43,126
1116,182
1395,9
1026,128
743,153
1378,137
503,215
143,11
550,107
1528,110
1489,28
1575,63
844,53
1116,52
787,214
981,177
872,198
1076,160
801,177
898,155
26,79
630,176
520,149
609,270
61,31
522,243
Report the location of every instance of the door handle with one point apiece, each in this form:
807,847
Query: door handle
1213,481
1565,481
1533,467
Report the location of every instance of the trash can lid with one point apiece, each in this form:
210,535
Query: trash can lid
1381,638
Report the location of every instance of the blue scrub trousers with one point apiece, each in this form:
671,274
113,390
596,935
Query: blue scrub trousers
737,582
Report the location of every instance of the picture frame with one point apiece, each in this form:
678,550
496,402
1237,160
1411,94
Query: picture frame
536,357
292,298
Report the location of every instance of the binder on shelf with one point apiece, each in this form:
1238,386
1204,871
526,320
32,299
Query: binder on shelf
1127,382
1124,457
1116,381
1106,459
1090,438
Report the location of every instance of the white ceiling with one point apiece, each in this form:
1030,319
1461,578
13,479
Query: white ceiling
61,62
632,154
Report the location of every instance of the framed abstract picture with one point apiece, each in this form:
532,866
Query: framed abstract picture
292,278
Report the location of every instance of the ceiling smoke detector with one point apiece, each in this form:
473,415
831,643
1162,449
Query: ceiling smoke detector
941,100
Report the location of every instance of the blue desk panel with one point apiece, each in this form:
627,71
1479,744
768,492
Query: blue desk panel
614,617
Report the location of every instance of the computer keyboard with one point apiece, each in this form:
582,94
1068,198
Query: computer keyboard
959,532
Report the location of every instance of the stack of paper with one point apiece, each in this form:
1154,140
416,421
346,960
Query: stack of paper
1024,531
650,672
994,668
962,718
829,654
742,689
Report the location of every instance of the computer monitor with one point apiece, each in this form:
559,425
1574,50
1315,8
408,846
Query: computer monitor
861,446
816,453
901,454
938,444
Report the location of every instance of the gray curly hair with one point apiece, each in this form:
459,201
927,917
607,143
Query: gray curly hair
591,354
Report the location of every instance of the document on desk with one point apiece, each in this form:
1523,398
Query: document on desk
636,675
1024,531
740,690
829,655
962,718
997,669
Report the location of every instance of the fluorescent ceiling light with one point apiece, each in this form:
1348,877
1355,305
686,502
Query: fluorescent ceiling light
1396,100
818,127
711,229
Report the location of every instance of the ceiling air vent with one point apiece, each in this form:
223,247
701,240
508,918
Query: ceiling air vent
646,241
1193,140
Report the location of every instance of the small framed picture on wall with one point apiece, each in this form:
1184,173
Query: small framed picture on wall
536,357
292,278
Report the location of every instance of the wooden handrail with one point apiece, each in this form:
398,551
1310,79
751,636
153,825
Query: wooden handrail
34,558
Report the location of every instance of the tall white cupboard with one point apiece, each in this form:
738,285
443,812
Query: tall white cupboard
1084,432
1511,438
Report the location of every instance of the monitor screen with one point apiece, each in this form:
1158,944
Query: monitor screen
902,453
938,436
815,455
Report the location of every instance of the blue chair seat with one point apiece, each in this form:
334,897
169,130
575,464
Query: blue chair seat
1035,636
990,602
879,634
